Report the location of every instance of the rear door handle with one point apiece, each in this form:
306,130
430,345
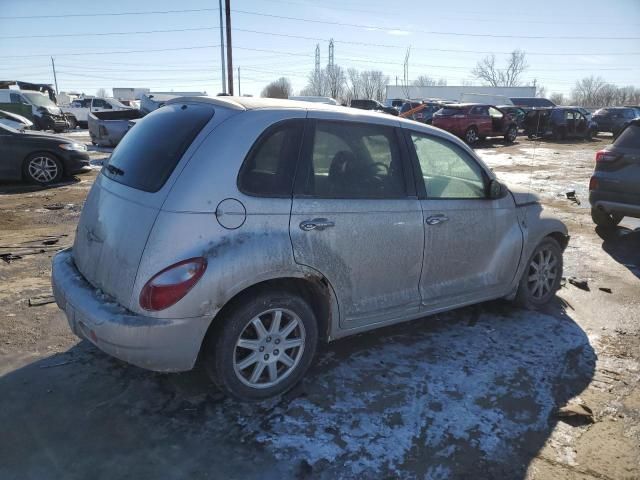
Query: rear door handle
316,224
437,219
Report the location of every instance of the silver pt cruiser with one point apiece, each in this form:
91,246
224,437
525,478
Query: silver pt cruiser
243,231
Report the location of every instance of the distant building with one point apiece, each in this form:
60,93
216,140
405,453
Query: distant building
129,93
455,92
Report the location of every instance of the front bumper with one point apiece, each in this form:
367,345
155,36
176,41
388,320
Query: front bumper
160,344
75,162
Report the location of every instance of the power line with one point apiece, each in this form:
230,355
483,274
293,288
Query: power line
148,12
431,32
110,52
105,34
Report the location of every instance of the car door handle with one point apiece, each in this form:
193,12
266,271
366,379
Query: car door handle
437,219
316,224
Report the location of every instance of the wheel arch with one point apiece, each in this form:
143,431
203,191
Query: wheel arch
308,283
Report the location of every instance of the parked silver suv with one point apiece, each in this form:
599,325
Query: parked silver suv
245,230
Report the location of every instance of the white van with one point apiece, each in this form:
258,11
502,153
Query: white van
485,98
45,114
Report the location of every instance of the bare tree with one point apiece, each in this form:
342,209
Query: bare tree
427,81
379,83
336,81
354,85
101,92
316,84
586,91
487,70
280,88
557,98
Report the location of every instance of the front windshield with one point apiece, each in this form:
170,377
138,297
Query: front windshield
39,99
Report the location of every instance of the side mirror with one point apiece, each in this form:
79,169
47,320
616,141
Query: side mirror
496,189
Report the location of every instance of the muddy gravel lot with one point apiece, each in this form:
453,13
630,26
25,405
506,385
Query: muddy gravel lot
474,393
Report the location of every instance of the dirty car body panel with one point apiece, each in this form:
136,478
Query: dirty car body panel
381,255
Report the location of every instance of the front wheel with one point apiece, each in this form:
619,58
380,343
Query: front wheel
511,135
604,219
42,168
263,347
471,135
541,277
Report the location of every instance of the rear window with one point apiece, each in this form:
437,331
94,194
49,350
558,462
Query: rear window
629,138
451,111
148,153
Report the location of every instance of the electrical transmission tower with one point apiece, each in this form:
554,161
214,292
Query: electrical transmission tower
331,53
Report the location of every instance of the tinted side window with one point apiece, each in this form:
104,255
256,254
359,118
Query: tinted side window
351,160
447,170
148,153
269,168
629,138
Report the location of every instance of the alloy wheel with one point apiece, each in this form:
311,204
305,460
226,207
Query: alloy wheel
542,274
269,348
471,136
43,169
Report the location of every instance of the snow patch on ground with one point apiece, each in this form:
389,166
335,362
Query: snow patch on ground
486,385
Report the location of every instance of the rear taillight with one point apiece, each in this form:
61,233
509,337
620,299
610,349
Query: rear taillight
168,286
605,156
593,183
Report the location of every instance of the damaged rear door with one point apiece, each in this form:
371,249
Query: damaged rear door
472,243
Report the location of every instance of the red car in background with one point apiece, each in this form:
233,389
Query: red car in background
474,121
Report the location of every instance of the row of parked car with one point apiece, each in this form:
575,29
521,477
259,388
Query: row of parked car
476,121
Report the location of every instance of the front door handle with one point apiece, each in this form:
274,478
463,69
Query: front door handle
316,224
437,219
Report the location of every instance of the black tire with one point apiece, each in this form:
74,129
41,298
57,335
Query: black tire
83,124
526,295
511,135
73,123
559,133
604,219
43,168
471,136
223,356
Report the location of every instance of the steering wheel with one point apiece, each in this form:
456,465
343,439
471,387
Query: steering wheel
376,165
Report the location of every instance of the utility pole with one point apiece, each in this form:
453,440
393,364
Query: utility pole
55,79
239,91
229,50
317,69
222,66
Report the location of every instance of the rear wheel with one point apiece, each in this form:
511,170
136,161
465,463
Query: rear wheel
42,168
471,135
263,347
541,277
604,219
512,134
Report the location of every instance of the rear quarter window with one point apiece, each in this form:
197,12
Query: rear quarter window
629,138
451,111
150,151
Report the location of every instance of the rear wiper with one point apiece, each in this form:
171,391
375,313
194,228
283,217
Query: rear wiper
114,170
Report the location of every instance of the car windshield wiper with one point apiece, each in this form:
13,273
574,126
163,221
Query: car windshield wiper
114,170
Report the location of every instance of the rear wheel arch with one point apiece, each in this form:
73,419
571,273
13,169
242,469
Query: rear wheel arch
314,289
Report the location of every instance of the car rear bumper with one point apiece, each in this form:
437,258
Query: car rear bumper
627,209
158,344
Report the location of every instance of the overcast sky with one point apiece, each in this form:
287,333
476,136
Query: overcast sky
446,40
